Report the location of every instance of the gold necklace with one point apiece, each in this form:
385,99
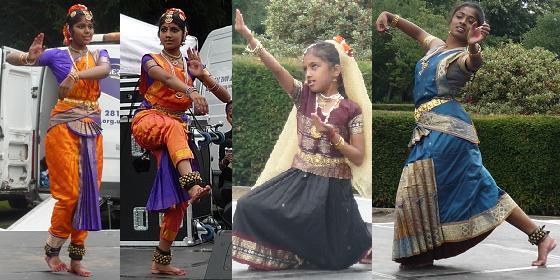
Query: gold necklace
80,52
173,58
178,94
314,132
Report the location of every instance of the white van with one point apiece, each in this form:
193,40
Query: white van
27,95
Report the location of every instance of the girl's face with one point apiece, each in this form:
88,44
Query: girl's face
170,36
319,75
461,23
82,31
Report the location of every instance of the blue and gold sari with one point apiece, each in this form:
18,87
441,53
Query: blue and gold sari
446,201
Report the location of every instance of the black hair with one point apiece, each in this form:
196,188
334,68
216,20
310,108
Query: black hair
479,12
328,52
228,105
178,21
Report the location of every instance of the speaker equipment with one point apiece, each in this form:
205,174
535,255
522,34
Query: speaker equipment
219,266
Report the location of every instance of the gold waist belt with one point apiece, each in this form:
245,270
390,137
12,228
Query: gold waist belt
79,102
177,114
428,106
320,160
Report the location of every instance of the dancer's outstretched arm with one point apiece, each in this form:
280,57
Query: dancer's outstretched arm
284,78
385,20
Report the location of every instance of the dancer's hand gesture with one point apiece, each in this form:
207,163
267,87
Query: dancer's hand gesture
240,26
195,65
319,124
477,33
382,22
36,49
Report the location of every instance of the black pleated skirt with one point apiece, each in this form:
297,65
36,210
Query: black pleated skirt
299,218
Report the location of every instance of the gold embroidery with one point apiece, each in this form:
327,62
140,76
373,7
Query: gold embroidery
88,104
417,226
340,171
319,159
296,92
428,106
481,223
356,124
254,253
182,154
448,125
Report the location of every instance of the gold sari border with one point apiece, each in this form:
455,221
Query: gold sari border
480,223
262,257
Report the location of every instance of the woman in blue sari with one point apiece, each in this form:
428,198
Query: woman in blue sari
447,201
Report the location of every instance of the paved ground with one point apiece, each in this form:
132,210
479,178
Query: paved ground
22,256
136,261
505,254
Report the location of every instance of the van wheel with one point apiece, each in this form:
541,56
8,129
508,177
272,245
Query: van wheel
18,203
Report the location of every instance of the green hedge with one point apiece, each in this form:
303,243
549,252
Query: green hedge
521,153
261,108
393,107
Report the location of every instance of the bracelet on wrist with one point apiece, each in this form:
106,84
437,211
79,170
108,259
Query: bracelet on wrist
395,20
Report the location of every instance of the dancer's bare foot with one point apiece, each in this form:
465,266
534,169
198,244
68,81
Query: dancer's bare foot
55,264
197,192
367,257
166,269
79,269
545,247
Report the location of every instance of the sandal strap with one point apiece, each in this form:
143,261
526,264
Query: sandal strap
162,257
538,235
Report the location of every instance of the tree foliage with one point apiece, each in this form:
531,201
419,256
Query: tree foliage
515,80
292,25
545,34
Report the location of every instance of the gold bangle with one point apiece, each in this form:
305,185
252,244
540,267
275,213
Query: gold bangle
23,59
340,142
215,86
478,50
257,50
27,62
395,20
74,75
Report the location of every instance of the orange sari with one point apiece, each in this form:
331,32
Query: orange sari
158,127
72,120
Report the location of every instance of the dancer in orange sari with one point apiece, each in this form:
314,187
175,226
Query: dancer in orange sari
73,143
159,125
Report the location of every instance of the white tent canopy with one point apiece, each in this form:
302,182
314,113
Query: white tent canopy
139,38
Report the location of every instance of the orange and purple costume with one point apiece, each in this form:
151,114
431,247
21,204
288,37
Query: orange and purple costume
159,126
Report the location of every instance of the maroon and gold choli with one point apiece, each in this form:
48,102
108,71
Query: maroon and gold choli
318,155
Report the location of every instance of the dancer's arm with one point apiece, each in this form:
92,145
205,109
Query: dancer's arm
354,150
284,78
28,59
476,34
197,69
95,73
414,31
156,72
